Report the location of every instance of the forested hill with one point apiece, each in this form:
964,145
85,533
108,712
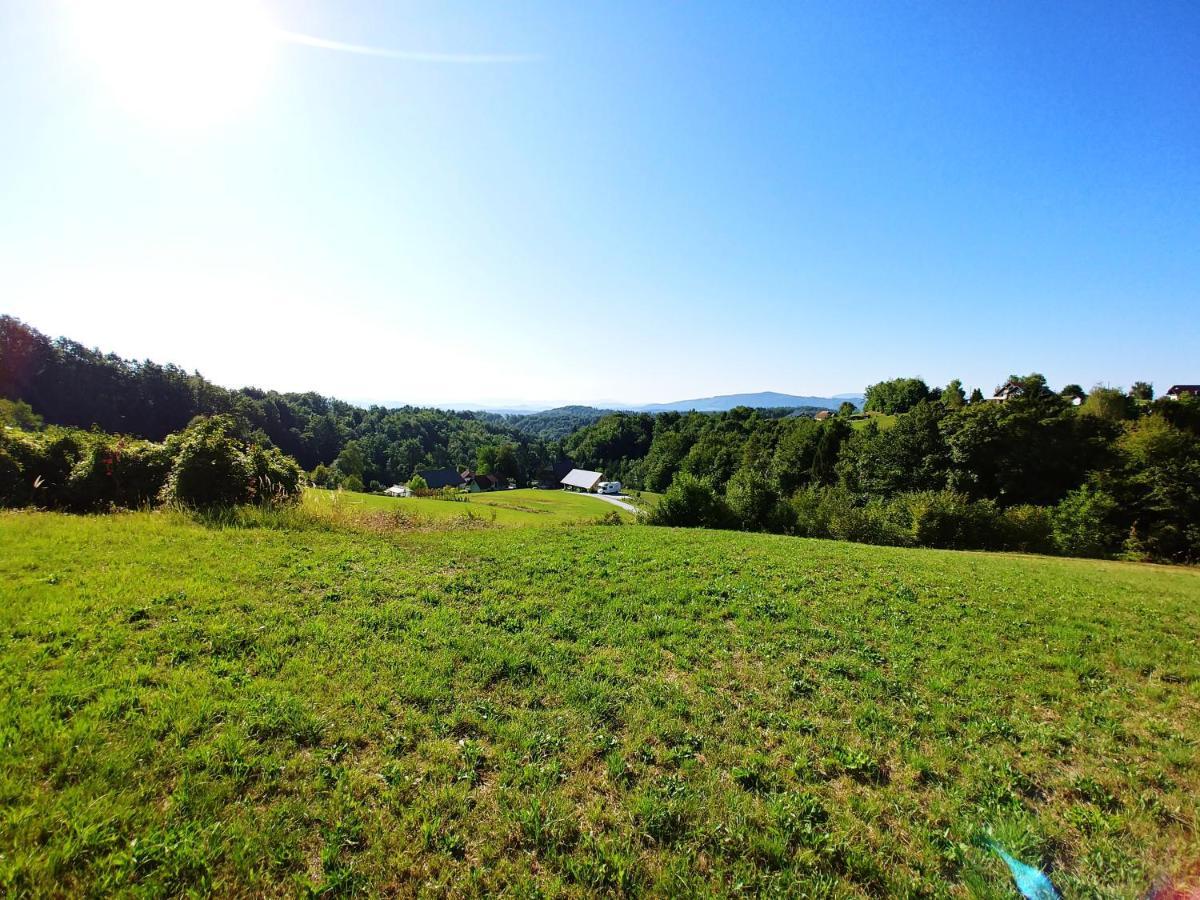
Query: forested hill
67,383
551,424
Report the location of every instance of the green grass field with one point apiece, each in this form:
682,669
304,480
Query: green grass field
190,708
883,420
506,508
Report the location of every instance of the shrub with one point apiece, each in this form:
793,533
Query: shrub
210,468
1026,529
875,522
946,519
814,508
116,472
276,477
1083,523
690,502
755,504
417,483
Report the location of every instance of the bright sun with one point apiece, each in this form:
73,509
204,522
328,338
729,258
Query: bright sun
179,63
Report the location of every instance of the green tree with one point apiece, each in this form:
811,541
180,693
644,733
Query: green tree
895,396
954,397
1142,390
352,461
910,456
1110,404
417,483
847,409
976,396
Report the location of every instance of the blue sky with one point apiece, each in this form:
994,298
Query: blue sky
662,201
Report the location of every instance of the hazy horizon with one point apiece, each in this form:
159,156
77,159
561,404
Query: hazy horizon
537,204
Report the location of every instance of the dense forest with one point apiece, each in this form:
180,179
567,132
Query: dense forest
69,384
1086,473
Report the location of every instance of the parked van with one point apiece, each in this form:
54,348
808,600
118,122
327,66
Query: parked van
608,487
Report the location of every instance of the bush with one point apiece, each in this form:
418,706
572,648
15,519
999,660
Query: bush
755,505
1083,523
875,522
205,465
117,473
947,519
1027,529
691,502
210,468
277,478
815,507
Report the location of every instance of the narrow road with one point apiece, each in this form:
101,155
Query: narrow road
616,501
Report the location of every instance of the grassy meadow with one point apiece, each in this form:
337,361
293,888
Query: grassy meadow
242,708
526,506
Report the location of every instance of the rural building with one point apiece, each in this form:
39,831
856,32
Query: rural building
823,415
398,490
440,478
551,479
1176,391
582,480
479,483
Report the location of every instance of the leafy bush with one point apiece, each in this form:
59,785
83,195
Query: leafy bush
117,473
1027,529
213,467
1083,523
277,478
691,502
210,468
754,503
815,507
875,522
946,519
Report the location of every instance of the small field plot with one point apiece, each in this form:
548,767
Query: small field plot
505,508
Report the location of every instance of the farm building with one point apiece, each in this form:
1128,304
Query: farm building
550,479
440,478
1178,391
398,490
582,480
479,483
823,415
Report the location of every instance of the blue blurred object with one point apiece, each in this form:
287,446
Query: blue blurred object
1031,882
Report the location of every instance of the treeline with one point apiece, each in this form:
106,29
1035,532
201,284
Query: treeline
71,385
1098,474
208,464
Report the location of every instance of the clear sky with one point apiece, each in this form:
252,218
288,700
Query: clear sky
598,201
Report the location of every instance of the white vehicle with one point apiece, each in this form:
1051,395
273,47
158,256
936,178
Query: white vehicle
608,487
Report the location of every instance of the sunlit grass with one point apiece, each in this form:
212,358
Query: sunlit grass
250,707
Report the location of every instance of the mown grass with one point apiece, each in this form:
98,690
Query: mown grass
504,508
883,420
190,708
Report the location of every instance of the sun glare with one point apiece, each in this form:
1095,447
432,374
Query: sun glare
179,63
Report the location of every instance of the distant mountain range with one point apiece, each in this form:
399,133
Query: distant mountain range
720,403
760,400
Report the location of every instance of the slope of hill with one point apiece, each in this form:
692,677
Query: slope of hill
581,711
555,424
